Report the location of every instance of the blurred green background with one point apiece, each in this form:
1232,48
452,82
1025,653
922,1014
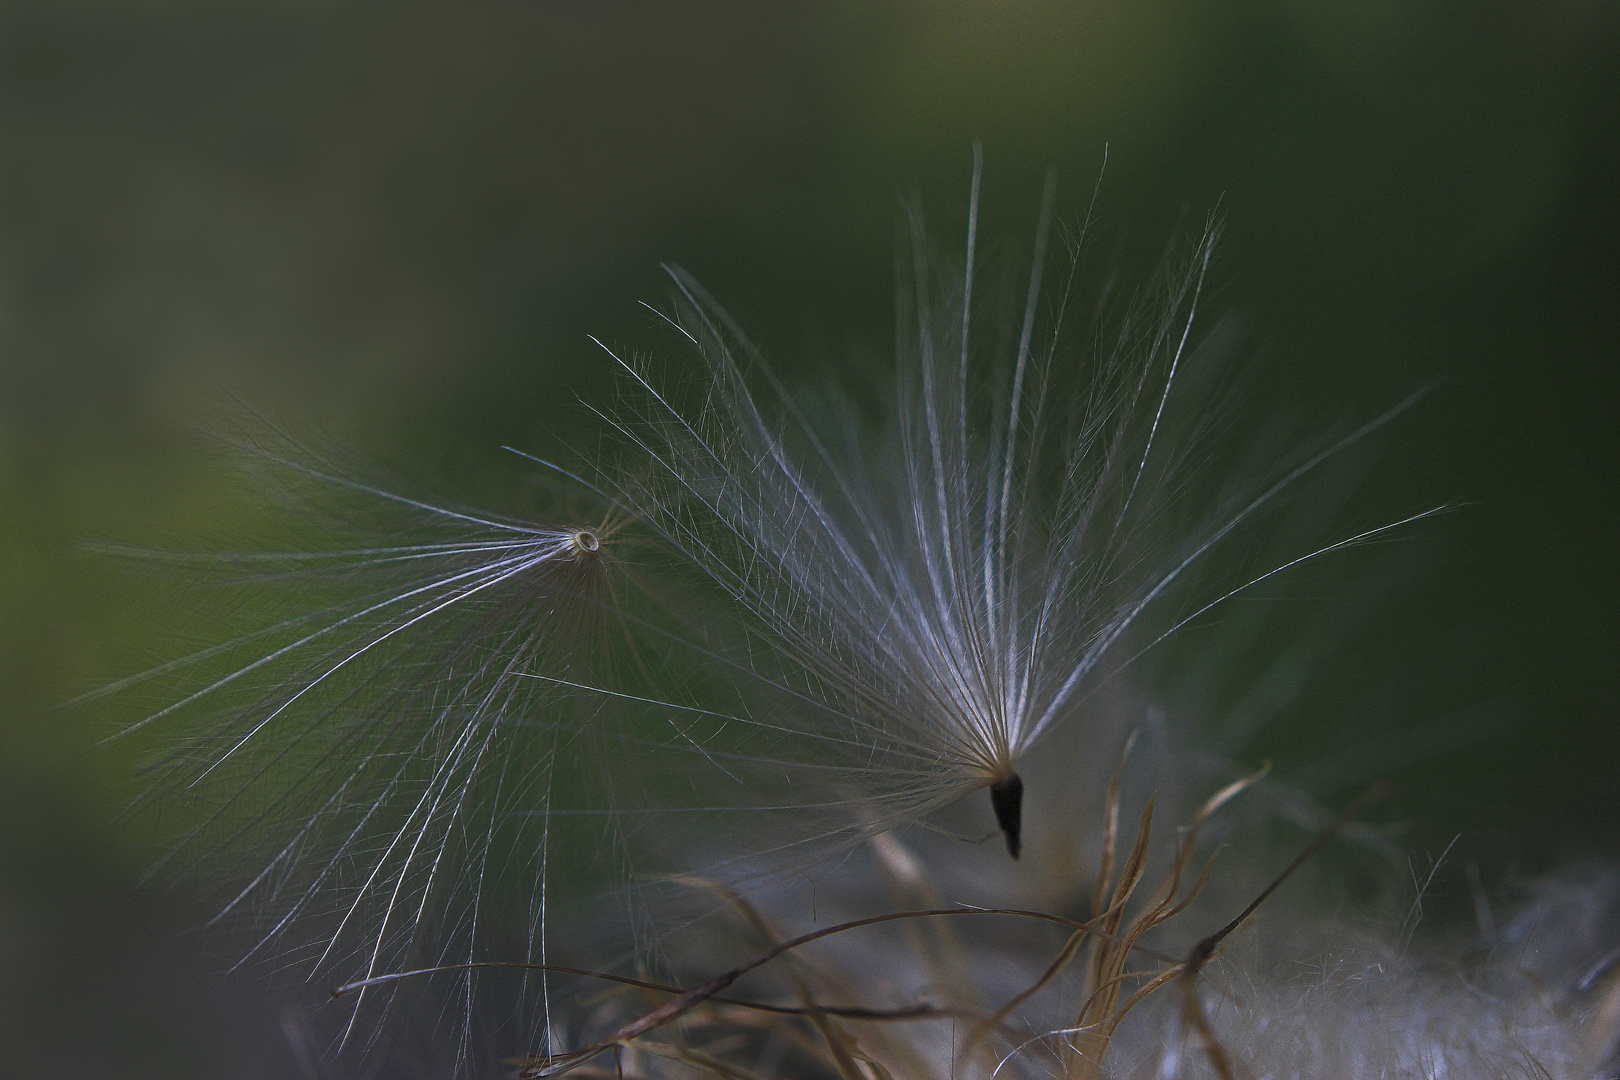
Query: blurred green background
399,223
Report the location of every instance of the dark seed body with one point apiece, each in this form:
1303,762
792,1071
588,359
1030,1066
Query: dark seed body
1007,799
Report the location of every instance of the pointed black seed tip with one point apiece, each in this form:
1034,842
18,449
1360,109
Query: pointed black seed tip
1007,799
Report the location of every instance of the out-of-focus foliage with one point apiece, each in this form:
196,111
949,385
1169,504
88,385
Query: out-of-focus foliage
401,223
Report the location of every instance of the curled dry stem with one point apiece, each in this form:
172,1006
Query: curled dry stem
1101,1011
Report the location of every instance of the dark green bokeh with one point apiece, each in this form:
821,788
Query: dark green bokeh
402,225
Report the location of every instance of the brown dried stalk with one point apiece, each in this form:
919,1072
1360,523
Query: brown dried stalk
1101,1012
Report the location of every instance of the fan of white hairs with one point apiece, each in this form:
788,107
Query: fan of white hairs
927,603
758,636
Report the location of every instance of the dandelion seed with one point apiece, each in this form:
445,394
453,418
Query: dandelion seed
922,608
462,731
382,748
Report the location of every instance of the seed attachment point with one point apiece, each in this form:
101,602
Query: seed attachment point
1007,799
585,543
